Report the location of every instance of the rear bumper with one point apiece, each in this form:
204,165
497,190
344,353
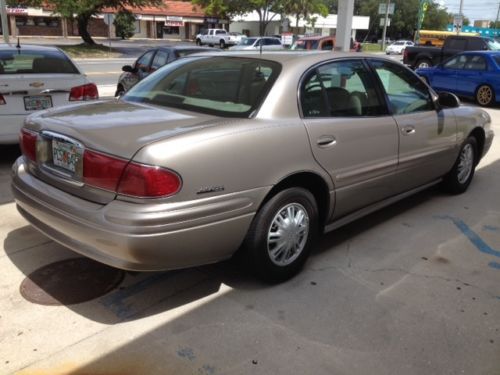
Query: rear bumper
140,237
10,125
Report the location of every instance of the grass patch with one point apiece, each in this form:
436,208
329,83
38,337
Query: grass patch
371,47
89,51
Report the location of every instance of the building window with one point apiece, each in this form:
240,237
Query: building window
21,21
137,27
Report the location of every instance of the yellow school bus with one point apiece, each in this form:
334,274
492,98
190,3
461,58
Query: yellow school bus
436,38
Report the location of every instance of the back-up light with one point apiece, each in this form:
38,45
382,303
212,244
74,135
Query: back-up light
2,100
84,92
128,178
27,141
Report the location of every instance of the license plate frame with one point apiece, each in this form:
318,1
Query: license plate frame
37,102
67,156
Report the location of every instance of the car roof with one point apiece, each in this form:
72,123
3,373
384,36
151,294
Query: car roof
292,57
181,48
317,37
31,47
490,53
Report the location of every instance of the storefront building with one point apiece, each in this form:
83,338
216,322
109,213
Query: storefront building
174,20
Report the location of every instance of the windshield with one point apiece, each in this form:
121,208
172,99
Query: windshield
28,61
247,41
493,45
223,86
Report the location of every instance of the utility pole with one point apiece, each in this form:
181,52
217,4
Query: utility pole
496,19
5,25
386,20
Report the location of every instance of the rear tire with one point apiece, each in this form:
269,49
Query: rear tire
282,234
459,178
423,63
485,96
222,44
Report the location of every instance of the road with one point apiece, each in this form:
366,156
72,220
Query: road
413,289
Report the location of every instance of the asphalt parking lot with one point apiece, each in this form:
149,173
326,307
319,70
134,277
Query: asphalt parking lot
412,289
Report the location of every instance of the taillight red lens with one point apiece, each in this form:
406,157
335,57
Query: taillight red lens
2,100
84,92
27,141
146,181
101,170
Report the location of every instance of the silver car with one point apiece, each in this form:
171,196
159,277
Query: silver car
221,152
255,43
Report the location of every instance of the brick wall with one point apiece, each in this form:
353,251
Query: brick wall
40,30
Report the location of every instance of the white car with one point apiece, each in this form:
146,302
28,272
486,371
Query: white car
253,43
398,47
33,78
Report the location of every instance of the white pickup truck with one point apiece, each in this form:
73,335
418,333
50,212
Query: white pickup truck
216,36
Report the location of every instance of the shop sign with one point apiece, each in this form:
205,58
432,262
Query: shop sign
174,18
17,10
174,23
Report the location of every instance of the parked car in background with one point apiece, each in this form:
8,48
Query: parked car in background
237,37
151,61
252,43
219,37
236,150
34,78
424,57
473,75
314,43
323,43
398,47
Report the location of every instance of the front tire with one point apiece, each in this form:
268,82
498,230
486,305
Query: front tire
485,96
423,63
119,90
198,42
459,178
282,234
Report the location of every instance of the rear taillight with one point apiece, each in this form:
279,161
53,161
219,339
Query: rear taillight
101,170
2,100
128,178
27,141
84,92
146,181
405,55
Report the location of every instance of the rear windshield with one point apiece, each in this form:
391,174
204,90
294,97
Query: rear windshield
493,45
247,41
219,85
27,61
305,44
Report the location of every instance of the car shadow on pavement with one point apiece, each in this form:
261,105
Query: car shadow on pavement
142,294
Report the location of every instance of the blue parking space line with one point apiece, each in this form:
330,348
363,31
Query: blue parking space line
473,237
117,300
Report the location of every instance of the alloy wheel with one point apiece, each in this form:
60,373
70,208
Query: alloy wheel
484,95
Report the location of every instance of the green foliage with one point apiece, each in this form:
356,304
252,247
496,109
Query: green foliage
125,24
264,8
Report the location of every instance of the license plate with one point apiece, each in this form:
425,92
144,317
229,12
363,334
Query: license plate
38,102
66,155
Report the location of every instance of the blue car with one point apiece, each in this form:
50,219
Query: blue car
474,74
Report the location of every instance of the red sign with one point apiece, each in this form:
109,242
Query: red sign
17,10
174,23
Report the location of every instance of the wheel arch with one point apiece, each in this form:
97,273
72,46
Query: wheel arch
310,181
480,136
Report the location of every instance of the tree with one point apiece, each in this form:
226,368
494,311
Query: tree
125,24
267,10
83,10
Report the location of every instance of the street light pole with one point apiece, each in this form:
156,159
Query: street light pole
384,33
5,26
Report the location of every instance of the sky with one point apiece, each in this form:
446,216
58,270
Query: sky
473,9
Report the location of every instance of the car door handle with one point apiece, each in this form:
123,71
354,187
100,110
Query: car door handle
326,141
408,130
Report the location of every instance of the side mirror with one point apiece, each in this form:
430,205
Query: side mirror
448,100
128,69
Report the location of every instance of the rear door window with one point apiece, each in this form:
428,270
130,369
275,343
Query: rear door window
35,62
